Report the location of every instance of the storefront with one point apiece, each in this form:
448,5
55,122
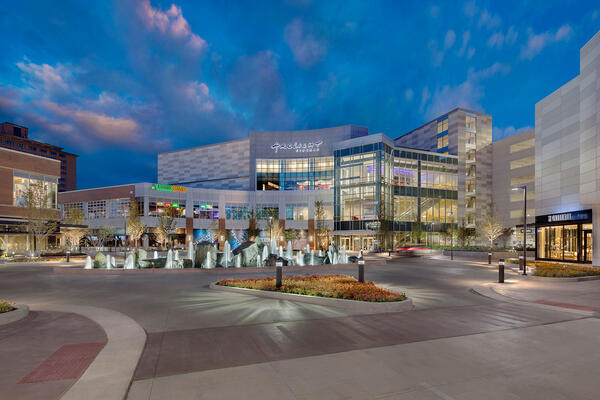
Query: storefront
565,236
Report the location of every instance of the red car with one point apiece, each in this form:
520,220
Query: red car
412,250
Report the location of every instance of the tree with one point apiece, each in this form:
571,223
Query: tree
417,232
253,230
166,225
74,235
41,219
135,227
275,230
292,234
489,228
99,236
464,234
506,234
321,228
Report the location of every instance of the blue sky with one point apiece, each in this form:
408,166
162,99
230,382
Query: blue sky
118,82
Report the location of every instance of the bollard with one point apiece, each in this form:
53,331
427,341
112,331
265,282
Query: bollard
278,274
501,271
361,270
68,256
489,258
520,263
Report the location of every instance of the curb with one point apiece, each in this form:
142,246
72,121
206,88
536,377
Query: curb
15,315
120,271
110,374
559,279
488,291
351,305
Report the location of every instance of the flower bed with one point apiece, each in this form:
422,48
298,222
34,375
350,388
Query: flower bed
6,306
335,286
563,271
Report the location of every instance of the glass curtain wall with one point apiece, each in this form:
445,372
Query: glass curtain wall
294,174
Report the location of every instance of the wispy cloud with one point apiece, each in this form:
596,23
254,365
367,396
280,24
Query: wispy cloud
537,42
306,47
499,39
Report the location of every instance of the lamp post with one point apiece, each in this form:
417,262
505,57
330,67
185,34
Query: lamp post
451,235
524,188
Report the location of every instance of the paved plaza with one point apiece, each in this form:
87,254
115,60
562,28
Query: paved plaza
201,343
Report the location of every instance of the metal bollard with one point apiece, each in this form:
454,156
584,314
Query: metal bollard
361,270
278,274
501,271
68,256
489,258
520,263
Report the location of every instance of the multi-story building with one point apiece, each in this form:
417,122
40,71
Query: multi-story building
20,171
17,138
567,158
467,135
513,167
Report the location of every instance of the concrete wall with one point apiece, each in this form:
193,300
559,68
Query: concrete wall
218,166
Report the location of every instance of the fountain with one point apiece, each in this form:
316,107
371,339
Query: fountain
208,261
169,262
228,255
273,246
335,258
300,258
88,263
307,248
320,253
265,253
343,257
155,254
129,262
176,255
108,262
312,257
238,260
258,261
288,251
190,252
281,251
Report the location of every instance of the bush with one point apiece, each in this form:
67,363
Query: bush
5,306
336,286
563,271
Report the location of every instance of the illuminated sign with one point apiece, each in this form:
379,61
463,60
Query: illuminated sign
168,188
581,215
310,147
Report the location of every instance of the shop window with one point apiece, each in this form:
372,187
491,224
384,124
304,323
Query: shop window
206,210
296,212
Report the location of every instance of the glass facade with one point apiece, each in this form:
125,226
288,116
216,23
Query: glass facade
23,181
569,239
294,174
402,186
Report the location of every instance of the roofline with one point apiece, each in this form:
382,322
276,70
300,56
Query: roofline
204,145
441,116
309,130
33,141
12,123
29,154
97,188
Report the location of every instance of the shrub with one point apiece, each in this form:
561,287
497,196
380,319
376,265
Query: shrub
336,286
5,306
563,271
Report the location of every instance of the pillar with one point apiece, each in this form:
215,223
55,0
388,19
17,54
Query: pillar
189,230
222,231
596,235
282,227
311,233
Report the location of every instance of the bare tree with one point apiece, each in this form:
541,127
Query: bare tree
98,237
41,219
166,225
489,228
73,236
135,227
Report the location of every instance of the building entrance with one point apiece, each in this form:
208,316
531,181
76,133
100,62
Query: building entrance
587,246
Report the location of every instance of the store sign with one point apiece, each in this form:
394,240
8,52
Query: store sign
168,188
309,147
565,217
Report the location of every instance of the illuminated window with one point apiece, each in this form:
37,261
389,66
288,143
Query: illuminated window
442,142
524,145
442,125
296,212
522,162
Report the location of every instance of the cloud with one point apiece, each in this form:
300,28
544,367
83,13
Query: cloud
449,39
307,49
502,133
537,42
466,94
327,87
470,8
409,94
434,11
466,36
198,95
488,20
255,85
425,96
498,39
47,80
171,23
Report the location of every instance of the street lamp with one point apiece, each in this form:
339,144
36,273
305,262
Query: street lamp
451,235
524,189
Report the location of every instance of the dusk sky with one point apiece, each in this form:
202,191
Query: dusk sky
118,82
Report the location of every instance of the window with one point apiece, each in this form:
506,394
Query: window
296,212
237,211
68,209
470,137
524,145
17,131
23,181
96,209
156,206
266,211
119,207
519,213
518,196
471,123
522,162
521,180
442,125
294,174
328,212
32,148
43,151
442,142
206,210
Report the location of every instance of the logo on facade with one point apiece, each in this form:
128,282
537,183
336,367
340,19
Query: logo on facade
559,217
310,147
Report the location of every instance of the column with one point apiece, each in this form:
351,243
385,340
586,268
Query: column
596,235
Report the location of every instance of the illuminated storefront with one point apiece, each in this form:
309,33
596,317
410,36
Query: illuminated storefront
565,237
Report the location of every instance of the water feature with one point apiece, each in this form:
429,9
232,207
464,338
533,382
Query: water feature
320,253
307,248
190,252
228,255
288,251
108,262
129,262
155,254
281,251
312,257
176,255
88,263
335,259
238,260
265,253
169,262
258,261
343,257
300,258
273,246
209,261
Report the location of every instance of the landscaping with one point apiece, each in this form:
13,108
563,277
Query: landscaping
6,306
554,270
334,286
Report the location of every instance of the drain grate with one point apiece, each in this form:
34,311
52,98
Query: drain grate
68,362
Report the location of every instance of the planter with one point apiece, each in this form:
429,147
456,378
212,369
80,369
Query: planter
15,315
366,307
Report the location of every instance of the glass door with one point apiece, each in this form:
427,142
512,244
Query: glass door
587,246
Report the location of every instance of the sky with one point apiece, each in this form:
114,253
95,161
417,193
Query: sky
118,82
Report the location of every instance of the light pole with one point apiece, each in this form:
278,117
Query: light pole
524,188
451,235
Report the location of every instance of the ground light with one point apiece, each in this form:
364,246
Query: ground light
524,188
